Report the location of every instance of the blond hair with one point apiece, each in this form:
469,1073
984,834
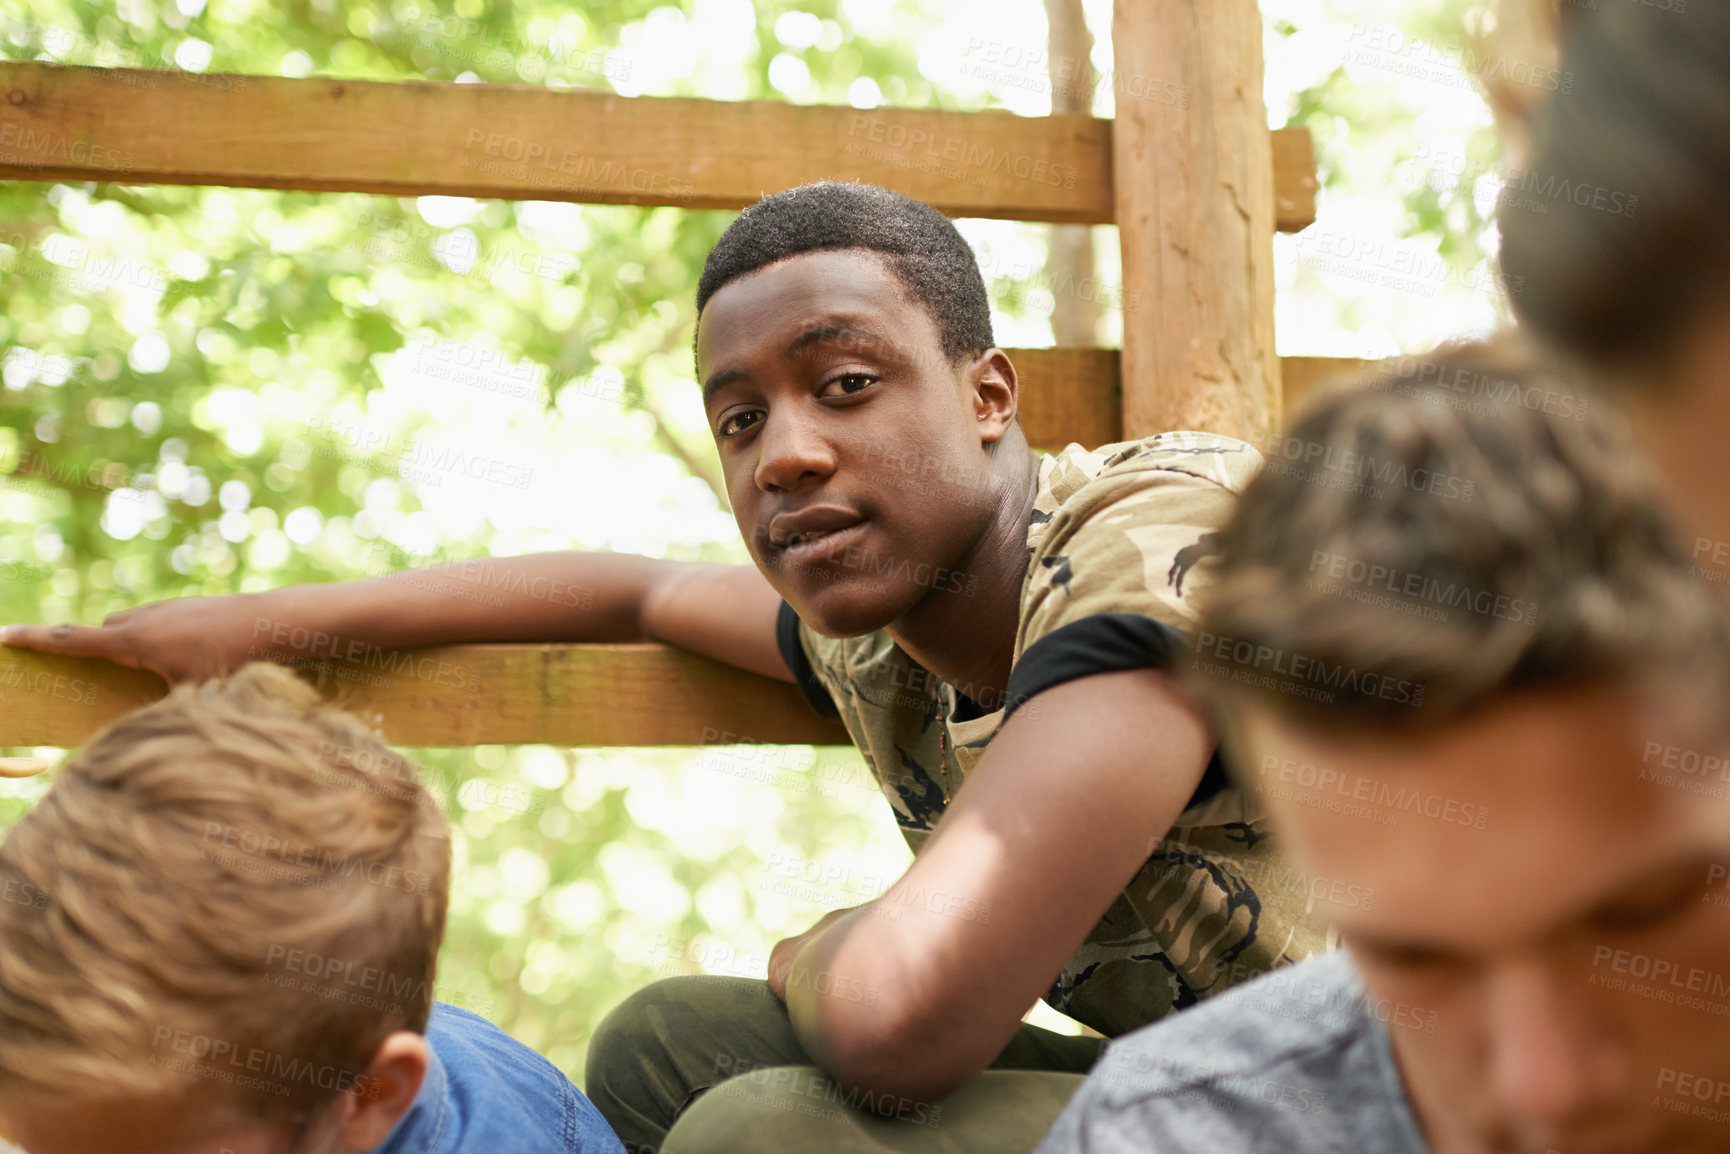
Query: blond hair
235,885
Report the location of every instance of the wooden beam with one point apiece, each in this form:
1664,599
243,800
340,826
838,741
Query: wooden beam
61,701
1294,179
1068,395
522,142
462,695
1195,215
1304,375
1074,394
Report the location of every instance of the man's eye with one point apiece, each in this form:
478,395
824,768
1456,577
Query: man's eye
1653,909
1419,961
1623,919
737,423
847,385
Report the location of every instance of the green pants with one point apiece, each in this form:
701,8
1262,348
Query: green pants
654,1059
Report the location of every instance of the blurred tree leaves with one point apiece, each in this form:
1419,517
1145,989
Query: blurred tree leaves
1402,252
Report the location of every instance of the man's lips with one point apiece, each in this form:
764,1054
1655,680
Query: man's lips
786,529
825,544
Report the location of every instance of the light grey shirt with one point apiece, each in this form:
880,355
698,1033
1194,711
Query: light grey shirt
1297,1062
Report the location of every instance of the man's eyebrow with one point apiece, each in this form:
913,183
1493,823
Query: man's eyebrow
814,335
818,334
1394,943
720,381
1678,872
1677,875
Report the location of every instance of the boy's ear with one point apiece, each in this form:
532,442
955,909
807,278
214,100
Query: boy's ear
385,1092
994,393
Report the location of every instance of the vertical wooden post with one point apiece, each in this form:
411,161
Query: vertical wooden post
1070,263
1193,185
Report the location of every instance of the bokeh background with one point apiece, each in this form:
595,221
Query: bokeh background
212,390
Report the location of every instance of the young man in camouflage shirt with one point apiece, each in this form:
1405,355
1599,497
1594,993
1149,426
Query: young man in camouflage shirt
924,575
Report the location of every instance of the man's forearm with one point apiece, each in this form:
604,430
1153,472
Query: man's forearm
567,596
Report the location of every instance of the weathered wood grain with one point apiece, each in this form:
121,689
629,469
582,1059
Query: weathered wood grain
522,142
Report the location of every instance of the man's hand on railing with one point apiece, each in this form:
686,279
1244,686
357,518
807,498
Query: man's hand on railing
189,639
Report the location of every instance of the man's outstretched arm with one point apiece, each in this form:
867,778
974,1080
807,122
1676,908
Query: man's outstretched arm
1061,812
722,611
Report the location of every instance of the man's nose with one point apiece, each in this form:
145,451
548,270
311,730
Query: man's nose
1553,1055
792,452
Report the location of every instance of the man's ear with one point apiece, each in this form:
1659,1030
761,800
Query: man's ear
994,392
385,1092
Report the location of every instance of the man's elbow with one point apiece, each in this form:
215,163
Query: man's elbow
889,1053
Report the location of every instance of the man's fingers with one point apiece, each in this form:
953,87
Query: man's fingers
68,641
780,963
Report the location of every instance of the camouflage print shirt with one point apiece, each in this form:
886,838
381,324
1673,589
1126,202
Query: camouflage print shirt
1111,584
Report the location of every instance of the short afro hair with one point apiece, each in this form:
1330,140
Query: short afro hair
921,246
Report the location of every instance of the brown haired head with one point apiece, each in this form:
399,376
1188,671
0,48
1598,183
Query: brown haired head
1616,222
235,887
1466,525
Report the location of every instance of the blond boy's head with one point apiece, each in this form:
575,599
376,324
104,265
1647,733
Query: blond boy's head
226,910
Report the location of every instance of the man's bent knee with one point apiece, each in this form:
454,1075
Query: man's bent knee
669,1042
773,1108
658,1018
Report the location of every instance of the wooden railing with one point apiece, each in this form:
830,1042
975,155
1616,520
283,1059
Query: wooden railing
518,142
1076,395
461,695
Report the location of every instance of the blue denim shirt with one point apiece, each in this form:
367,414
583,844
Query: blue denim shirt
487,1093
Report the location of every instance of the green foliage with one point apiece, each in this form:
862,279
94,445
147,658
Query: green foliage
211,390
1402,252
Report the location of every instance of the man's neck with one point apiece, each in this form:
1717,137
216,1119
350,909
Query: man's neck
968,640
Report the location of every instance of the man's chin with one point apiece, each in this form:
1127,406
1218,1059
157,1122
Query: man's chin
849,607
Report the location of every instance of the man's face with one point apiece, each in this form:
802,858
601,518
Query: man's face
855,453
1541,914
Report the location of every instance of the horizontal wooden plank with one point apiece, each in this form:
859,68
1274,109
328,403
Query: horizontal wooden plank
522,142
461,695
1070,394
1302,375
1294,179
61,701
